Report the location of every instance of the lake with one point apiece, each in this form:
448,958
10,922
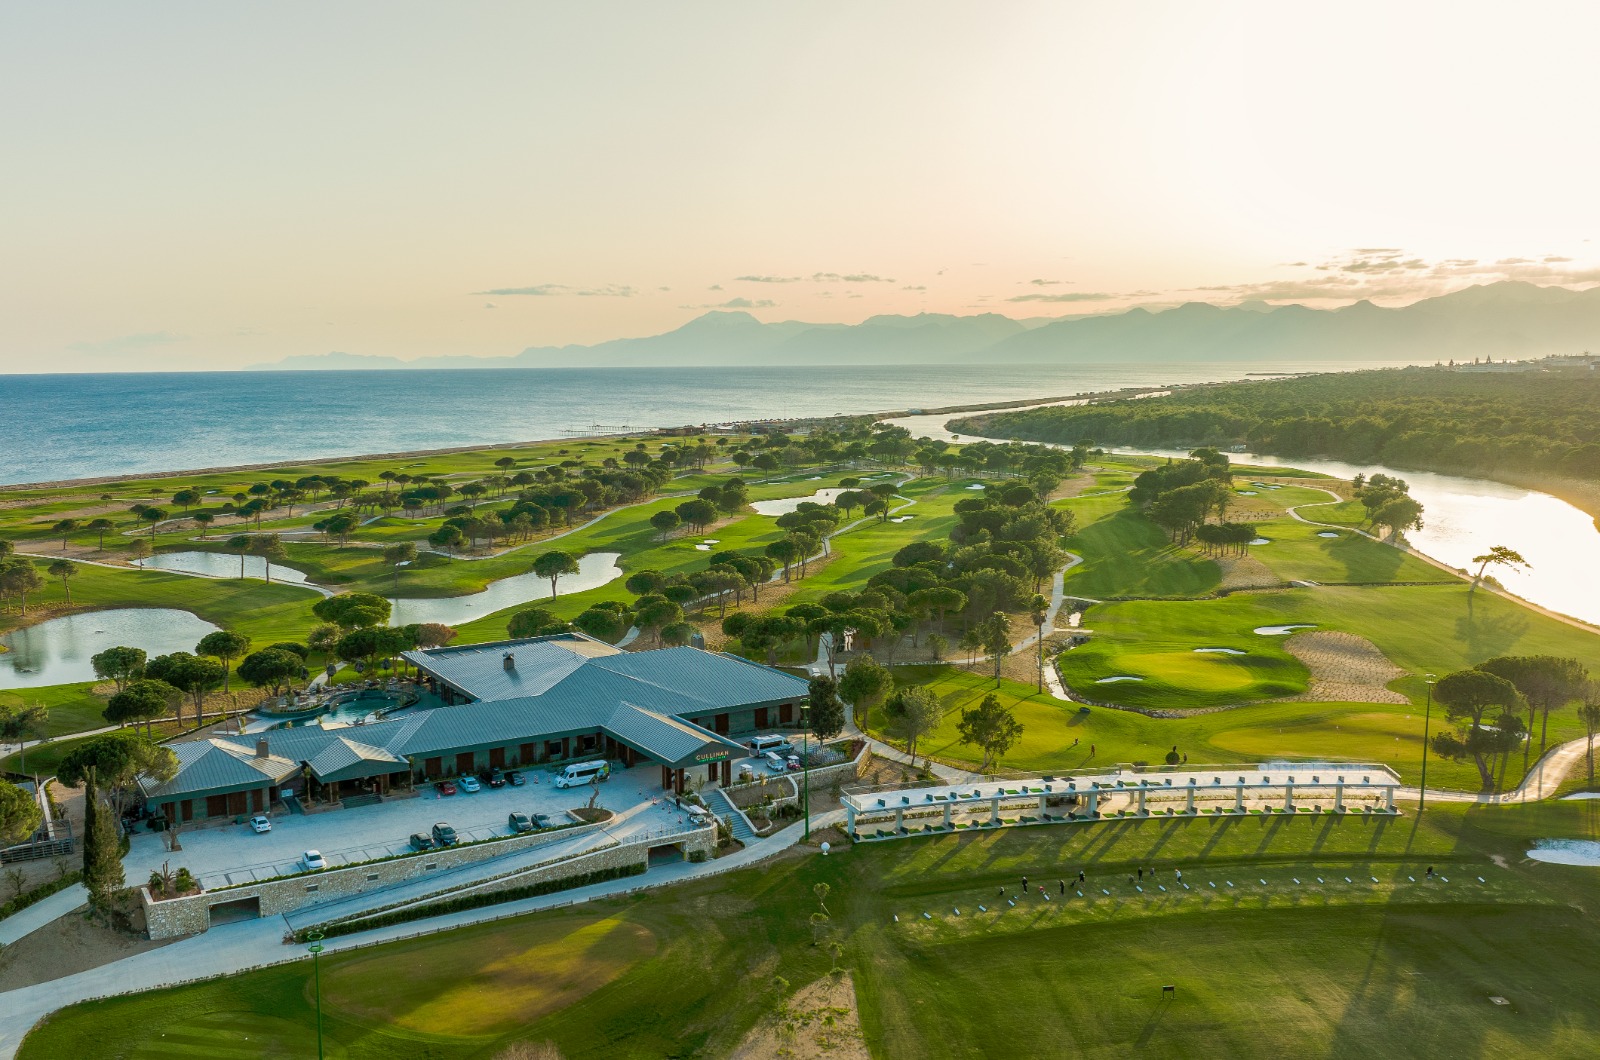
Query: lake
57,651
223,565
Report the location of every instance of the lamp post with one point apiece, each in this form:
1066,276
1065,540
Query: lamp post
805,768
315,938
1422,797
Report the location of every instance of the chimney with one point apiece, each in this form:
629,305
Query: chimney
510,661
261,747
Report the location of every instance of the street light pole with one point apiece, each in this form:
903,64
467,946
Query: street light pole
805,769
1422,797
315,937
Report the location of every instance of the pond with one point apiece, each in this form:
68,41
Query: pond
594,570
785,505
57,651
1566,851
223,565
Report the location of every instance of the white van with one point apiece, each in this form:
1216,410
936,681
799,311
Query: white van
760,745
580,773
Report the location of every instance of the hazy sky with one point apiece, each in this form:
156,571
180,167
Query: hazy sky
204,185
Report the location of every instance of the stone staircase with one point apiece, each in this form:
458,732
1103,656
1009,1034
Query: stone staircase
738,823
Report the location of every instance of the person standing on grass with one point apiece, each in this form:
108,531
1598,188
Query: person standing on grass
1141,873
1063,888
1024,885
1081,877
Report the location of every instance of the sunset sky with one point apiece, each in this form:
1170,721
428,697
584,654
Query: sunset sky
203,185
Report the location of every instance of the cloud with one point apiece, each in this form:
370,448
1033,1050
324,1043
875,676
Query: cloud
1065,296
128,343
736,303
538,291
546,290
768,279
849,277
915,287
1046,283
715,287
1554,259
1515,261
490,305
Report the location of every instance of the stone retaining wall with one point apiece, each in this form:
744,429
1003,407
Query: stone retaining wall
191,914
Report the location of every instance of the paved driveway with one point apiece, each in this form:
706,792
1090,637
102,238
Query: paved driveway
232,854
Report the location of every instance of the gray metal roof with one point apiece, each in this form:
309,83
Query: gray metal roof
344,759
561,685
214,766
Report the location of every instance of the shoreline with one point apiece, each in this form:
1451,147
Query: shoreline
103,480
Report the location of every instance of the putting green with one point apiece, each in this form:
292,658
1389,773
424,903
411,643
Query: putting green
489,988
1181,676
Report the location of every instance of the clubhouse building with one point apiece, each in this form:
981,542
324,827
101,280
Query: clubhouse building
508,704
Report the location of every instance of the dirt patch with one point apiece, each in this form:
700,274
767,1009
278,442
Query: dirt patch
1344,668
64,947
818,1021
1246,572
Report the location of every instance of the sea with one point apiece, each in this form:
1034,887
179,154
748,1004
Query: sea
56,427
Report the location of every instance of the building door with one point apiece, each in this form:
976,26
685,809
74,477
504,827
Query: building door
497,757
761,717
236,802
216,806
786,714
257,802
722,724
432,766
187,806
464,761
526,754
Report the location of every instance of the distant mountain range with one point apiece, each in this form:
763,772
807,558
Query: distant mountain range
1500,320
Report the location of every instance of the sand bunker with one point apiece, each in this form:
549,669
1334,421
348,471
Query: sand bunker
1566,851
1344,668
820,1021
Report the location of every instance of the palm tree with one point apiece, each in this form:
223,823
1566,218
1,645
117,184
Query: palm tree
1040,608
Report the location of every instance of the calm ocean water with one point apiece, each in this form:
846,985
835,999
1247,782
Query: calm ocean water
70,426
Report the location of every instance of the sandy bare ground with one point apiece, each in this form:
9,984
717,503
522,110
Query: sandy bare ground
1246,572
1344,668
65,947
818,1022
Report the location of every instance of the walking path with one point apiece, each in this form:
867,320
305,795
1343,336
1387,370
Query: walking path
234,948
39,914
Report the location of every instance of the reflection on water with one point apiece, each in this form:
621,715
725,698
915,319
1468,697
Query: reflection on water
594,570
786,505
1463,518
57,651
223,565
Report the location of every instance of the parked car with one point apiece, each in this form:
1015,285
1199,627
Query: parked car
543,820
470,785
446,788
519,822
421,841
444,835
774,762
495,778
700,816
313,859
515,778
259,824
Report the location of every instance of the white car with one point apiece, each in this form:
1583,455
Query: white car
313,859
259,824
469,785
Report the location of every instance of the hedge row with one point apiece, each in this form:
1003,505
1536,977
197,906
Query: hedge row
472,901
39,894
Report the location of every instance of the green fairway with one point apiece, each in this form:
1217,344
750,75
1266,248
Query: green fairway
1126,555
1263,968
1060,736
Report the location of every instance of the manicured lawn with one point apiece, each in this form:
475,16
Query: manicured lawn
1057,736
266,612
1126,555
72,707
1307,969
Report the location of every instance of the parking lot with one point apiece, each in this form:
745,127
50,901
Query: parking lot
232,854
